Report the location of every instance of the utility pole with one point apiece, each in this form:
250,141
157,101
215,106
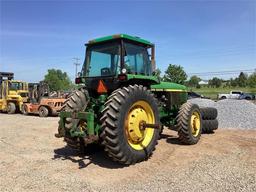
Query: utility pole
76,64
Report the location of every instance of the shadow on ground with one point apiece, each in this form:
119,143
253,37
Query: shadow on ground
175,140
93,154
171,139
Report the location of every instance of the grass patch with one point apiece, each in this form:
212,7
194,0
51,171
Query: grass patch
213,92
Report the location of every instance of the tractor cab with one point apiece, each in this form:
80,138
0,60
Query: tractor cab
117,59
18,88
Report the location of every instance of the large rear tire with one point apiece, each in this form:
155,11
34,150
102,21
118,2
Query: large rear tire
189,123
123,138
11,108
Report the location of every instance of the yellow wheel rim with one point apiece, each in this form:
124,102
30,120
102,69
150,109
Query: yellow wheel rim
195,123
139,112
82,125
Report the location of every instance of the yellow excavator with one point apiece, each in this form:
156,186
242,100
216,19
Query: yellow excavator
13,93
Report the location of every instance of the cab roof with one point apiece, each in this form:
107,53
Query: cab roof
120,36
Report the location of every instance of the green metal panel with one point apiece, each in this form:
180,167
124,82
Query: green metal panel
143,77
74,131
168,86
120,36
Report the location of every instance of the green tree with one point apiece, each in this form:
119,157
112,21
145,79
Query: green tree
234,82
57,80
242,79
227,83
194,81
175,73
215,82
252,80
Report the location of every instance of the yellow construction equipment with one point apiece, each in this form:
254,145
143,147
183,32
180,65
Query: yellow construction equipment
13,93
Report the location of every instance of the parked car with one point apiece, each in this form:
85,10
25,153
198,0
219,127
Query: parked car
236,95
247,96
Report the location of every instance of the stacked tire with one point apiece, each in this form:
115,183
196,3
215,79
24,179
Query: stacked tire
209,119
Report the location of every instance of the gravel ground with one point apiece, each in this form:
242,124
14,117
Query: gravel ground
33,160
232,113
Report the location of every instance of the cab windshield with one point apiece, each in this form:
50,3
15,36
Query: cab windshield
102,60
14,86
136,60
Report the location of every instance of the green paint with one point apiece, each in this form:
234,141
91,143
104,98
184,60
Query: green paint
168,116
120,36
168,85
102,98
97,129
154,79
184,97
90,123
90,116
74,131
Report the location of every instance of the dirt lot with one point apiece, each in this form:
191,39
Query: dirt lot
32,159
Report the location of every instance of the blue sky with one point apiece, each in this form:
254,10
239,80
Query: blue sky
201,36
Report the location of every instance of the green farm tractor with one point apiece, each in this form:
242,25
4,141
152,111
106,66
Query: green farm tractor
123,105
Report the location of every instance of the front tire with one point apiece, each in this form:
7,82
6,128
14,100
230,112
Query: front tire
123,138
24,109
11,108
189,123
43,111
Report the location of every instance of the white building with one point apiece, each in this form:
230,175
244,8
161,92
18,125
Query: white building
203,82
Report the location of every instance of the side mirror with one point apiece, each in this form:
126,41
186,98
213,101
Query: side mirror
79,74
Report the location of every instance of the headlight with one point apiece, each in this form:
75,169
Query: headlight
124,70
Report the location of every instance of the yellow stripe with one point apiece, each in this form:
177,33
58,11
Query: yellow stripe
169,90
157,90
175,90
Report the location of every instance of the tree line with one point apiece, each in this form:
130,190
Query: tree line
176,74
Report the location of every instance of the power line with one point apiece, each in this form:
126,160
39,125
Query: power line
224,72
76,64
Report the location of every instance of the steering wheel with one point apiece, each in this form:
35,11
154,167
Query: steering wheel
127,65
105,71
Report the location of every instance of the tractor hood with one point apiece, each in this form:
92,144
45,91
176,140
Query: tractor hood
168,86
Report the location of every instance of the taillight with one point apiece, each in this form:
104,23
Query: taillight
78,80
122,77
